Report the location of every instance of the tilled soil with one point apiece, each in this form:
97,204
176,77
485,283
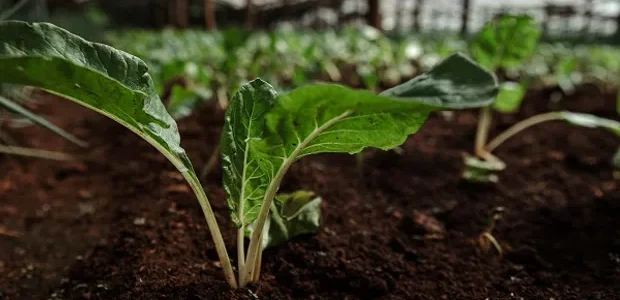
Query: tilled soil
120,223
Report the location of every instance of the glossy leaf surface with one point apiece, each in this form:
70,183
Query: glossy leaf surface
97,76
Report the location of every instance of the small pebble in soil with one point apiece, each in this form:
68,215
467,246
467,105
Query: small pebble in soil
19,251
85,194
139,221
86,208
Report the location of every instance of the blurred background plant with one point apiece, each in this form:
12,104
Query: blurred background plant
361,43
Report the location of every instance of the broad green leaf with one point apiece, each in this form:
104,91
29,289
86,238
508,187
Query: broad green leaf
291,215
18,109
455,83
97,76
615,161
331,118
506,42
510,96
105,80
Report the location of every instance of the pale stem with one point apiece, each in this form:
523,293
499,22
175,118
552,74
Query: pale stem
482,133
222,98
220,247
29,152
255,239
241,253
12,10
194,183
208,167
537,119
359,162
258,264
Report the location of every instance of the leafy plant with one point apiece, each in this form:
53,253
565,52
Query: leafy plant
504,43
108,81
264,133
11,99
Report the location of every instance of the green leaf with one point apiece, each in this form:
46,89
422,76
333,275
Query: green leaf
455,83
291,215
108,81
331,118
510,96
615,161
244,181
591,121
18,109
97,76
506,42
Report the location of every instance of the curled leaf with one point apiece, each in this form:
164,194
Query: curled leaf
291,215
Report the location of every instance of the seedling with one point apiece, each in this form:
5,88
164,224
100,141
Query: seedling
264,133
504,43
486,238
499,46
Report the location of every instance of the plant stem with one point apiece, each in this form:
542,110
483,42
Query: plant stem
29,152
537,119
220,247
255,239
241,253
258,264
222,98
359,162
210,162
482,133
12,10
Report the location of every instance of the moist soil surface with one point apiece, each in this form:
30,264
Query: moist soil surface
120,223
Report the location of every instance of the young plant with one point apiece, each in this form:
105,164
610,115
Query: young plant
108,81
265,133
573,118
504,43
486,239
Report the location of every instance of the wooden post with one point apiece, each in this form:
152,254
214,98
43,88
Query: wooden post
465,17
545,22
374,14
181,13
249,14
416,14
588,17
398,21
210,21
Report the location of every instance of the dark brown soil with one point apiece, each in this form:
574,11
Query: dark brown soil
122,224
